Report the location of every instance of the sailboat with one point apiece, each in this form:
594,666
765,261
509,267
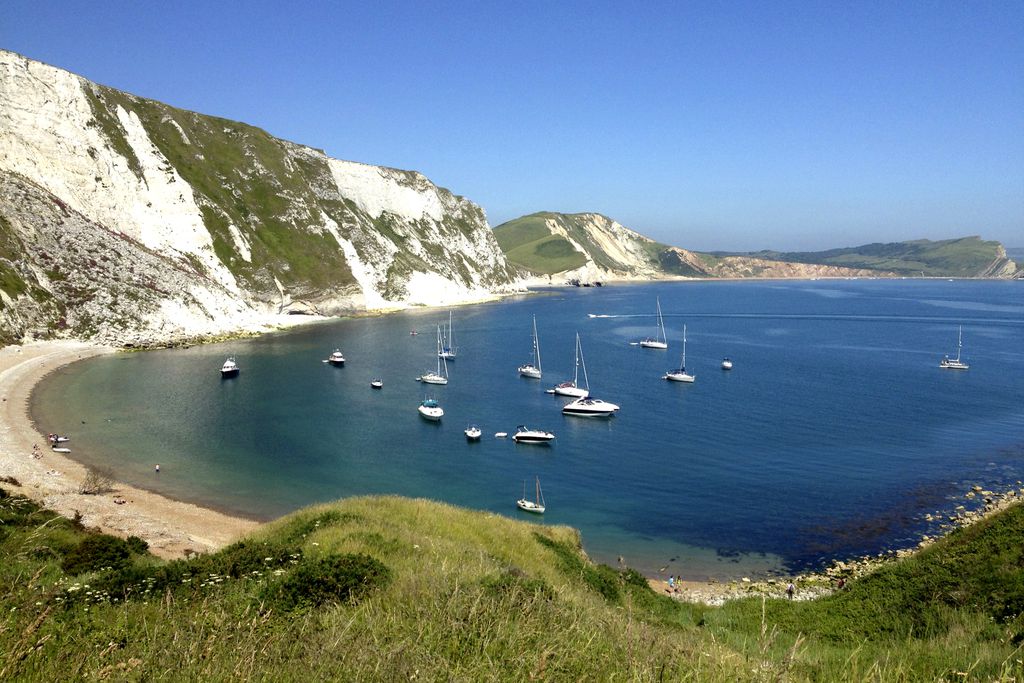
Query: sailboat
661,342
447,350
680,374
532,370
572,388
955,363
437,377
537,504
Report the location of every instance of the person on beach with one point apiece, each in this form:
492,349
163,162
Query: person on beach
790,589
671,582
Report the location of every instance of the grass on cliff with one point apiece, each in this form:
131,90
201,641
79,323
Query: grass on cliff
528,243
391,589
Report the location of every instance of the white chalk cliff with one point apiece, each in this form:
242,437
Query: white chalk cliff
124,219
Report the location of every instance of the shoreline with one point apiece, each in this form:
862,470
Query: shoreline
172,528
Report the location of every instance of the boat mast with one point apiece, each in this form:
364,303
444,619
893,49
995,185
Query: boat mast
536,343
684,348
580,361
959,342
661,323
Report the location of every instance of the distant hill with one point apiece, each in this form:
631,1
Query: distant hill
963,257
550,246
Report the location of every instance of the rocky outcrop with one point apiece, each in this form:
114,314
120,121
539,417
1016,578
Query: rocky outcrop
258,226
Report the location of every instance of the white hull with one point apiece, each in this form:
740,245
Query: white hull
473,433
529,371
653,344
530,506
533,436
574,391
727,364
431,378
590,407
679,377
953,365
433,414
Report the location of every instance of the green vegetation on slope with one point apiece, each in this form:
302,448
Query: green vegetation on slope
389,589
964,257
528,243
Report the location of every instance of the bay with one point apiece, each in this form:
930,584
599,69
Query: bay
832,436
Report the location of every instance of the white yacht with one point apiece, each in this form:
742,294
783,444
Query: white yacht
473,433
536,505
526,435
377,383
680,374
532,370
948,363
437,377
336,358
447,348
230,368
661,342
590,407
430,410
572,388
726,364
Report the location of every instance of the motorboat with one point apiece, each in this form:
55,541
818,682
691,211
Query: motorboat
537,504
680,374
572,387
526,435
377,383
532,369
430,410
726,364
437,377
661,341
230,368
948,363
500,435
590,407
473,433
336,358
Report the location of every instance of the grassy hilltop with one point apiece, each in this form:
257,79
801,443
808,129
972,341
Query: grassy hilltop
398,589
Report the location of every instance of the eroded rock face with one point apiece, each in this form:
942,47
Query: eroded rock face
231,225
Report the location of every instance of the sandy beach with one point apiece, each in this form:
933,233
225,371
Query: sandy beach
172,528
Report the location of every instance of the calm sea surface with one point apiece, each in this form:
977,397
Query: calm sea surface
833,435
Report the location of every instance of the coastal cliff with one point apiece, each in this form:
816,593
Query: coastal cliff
553,247
123,219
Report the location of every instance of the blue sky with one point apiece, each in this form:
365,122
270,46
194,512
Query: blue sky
735,126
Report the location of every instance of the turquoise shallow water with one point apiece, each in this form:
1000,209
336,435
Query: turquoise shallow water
832,436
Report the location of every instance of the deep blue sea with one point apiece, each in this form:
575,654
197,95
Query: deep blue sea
833,435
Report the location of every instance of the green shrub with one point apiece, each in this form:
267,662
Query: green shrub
99,551
136,545
514,584
326,580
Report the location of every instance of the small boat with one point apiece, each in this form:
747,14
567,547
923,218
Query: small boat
572,388
473,433
60,449
680,374
948,363
413,333
500,435
661,342
525,435
437,377
532,370
536,505
448,350
230,368
377,383
336,358
590,407
56,438
430,410
726,364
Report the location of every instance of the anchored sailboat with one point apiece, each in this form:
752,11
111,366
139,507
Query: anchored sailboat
537,504
955,363
572,388
661,342
437,377
680,374
532,370
447,350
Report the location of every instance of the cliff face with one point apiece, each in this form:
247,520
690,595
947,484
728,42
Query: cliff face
588,246
256,226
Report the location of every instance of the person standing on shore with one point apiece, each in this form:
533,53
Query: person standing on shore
790,589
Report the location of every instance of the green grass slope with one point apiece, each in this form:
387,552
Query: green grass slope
398,589
963,257
528,243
